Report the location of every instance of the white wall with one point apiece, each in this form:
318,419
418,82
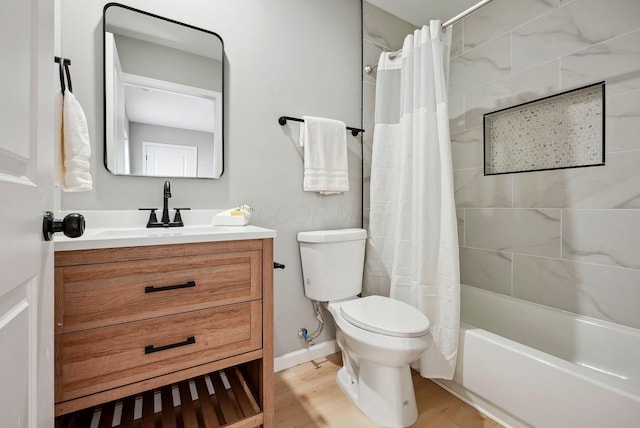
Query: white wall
283,57
168,64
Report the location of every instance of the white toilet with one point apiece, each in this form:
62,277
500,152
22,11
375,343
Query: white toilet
379,336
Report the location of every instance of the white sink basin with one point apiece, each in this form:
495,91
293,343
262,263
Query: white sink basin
159,231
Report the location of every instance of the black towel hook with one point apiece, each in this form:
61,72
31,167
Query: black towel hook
66,63
62,85
66,69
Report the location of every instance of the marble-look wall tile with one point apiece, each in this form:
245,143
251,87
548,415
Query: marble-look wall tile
488,62
603,292
381,31
500,16
553,45
460,222
490,270
615,61
608,237
456,112
368,113
457,41
370,56
623,122
572,27
467,149
368,102
366,216
614,185
525,231
537,82
383,28
473,189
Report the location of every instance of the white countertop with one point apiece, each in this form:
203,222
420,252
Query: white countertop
114,237
133,237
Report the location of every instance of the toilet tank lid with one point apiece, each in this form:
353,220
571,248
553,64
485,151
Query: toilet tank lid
335,235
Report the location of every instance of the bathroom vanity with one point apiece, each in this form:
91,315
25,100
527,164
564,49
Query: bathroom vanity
165,326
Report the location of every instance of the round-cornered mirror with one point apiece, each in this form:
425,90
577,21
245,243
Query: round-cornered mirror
163,96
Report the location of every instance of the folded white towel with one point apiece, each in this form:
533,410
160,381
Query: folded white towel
76,146
325,155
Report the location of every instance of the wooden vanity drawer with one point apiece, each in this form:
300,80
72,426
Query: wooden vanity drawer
101,294
96,360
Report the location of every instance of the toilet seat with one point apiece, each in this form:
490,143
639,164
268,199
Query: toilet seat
386,316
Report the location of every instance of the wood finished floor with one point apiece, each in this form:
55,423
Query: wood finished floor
308,396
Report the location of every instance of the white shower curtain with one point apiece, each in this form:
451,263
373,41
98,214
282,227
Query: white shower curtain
412,250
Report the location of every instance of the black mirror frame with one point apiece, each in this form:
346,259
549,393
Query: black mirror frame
104,88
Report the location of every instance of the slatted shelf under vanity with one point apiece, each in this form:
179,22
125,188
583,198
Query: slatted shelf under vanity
219,399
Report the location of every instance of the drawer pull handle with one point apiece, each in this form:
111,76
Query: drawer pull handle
149,349
152,289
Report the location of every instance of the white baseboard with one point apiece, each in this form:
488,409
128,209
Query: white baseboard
300,356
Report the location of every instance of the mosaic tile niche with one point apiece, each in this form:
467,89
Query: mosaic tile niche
565,130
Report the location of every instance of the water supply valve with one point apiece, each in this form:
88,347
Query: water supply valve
303,333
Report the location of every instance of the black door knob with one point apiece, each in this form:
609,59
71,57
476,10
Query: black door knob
72,225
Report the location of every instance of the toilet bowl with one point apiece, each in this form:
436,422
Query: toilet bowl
378,336
375,373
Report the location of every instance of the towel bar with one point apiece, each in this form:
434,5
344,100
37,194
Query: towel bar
282,120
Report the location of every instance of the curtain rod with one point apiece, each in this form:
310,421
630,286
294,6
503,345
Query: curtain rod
469,11
369,68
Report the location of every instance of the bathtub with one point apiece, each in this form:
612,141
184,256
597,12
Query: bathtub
528,365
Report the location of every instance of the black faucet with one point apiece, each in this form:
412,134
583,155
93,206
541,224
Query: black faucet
165,207
165,222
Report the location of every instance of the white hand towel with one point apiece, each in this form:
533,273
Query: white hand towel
325,155
76,146
58,101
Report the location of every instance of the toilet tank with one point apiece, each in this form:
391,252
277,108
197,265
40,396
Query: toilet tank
332,263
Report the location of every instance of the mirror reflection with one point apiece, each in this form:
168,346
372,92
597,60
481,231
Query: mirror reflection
163,87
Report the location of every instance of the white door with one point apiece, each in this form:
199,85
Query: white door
169,160
115,120
26,191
